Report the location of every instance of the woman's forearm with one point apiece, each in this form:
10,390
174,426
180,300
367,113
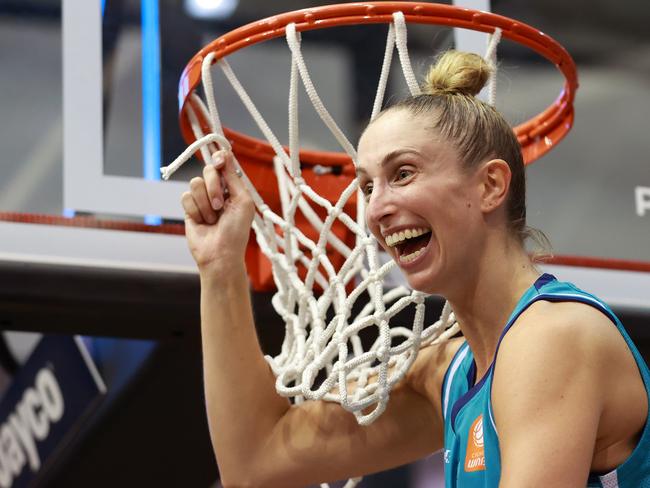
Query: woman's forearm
241,401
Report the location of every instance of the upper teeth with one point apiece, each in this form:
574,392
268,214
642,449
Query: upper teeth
397,237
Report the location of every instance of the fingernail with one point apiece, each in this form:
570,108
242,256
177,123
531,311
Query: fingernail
218,159
217,204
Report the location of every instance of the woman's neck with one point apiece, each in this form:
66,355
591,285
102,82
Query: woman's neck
483,306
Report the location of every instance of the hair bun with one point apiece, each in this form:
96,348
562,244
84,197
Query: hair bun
457,72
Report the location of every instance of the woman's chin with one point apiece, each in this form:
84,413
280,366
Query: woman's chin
424,282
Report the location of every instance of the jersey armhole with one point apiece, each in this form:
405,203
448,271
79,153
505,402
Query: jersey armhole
452,369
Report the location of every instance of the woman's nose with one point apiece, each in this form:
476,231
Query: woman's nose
381,204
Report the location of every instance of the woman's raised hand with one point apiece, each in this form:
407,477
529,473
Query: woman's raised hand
218,216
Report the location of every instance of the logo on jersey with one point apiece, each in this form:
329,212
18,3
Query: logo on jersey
475,456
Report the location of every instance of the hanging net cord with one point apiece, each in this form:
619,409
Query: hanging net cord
322,356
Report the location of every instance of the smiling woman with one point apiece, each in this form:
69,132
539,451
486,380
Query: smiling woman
444,181
444,185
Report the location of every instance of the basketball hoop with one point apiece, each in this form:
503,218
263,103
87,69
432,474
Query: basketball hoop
322,259
537,136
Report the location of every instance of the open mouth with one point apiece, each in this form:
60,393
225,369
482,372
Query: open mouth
410,243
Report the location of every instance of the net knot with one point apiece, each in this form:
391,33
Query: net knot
334,283
340,317
382,354
382,393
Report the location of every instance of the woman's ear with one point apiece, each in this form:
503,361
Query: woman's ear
495,176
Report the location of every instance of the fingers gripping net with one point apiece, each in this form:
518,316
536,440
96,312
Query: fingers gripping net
323,356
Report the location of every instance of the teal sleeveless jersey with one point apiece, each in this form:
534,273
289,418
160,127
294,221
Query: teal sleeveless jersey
471,452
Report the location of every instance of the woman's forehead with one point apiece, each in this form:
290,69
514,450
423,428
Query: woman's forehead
397,122
394,134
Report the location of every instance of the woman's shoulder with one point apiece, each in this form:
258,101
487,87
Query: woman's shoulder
568,335
558,322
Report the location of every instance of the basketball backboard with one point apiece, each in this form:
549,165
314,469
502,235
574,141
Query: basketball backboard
93,117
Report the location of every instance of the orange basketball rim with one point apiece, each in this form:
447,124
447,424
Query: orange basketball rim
537,136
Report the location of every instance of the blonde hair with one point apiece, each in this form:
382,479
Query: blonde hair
457,72
476,129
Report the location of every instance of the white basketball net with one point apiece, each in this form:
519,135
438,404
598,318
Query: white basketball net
315,346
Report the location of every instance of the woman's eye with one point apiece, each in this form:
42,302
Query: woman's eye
403,173
367,190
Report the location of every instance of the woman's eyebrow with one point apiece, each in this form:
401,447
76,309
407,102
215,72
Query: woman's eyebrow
388,158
